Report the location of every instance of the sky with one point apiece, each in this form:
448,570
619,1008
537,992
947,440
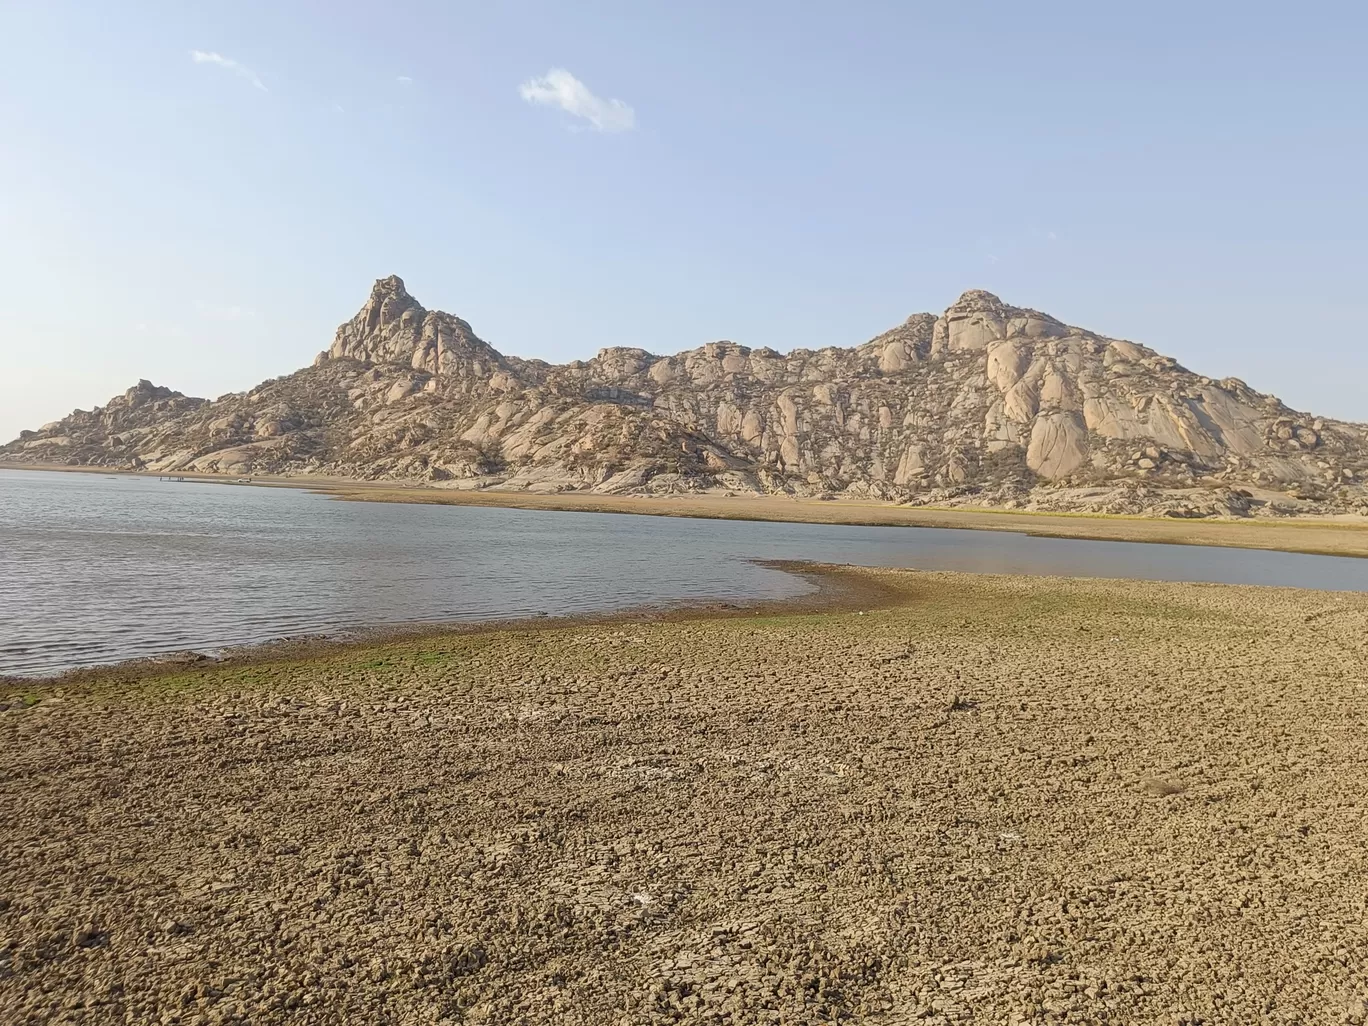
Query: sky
198,194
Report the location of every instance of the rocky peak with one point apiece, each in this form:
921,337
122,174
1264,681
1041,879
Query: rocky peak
384,328
978,318
145,392
393,328
976,299
393,286
390,304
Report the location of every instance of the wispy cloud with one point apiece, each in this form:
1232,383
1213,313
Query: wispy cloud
559,88
241,70
404,80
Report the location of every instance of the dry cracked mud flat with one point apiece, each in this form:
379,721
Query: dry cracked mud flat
1001,800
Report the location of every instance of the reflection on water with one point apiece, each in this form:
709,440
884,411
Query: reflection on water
95,568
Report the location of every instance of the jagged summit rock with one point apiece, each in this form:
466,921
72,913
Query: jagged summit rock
146,392
985,403
391,286
979,318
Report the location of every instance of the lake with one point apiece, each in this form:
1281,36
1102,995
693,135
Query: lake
100,568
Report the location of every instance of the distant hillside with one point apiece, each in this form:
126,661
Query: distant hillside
987,404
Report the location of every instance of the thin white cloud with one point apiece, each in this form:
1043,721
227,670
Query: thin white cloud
559,88
210,57
404,80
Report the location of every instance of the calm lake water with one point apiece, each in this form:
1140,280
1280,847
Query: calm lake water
96,569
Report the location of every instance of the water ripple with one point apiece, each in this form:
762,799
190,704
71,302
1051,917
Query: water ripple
97,569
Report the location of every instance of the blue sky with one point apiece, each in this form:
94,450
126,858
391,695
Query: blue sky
1191,176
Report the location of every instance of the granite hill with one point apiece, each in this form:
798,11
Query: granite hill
986,404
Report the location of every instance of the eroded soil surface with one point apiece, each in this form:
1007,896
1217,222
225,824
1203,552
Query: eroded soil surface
1008,800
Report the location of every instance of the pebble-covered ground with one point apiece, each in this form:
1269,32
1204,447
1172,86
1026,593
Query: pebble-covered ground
1004,801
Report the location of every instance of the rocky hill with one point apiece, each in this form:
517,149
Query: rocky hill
986,404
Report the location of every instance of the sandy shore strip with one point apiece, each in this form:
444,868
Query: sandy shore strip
1345,535
995,800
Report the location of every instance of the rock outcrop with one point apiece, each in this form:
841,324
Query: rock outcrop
987,404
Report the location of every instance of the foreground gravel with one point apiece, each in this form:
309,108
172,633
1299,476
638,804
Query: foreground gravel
1005,800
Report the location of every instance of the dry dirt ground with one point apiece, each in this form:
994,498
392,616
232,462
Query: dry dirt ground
1000,800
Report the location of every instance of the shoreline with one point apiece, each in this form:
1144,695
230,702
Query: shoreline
1311,536
838,588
